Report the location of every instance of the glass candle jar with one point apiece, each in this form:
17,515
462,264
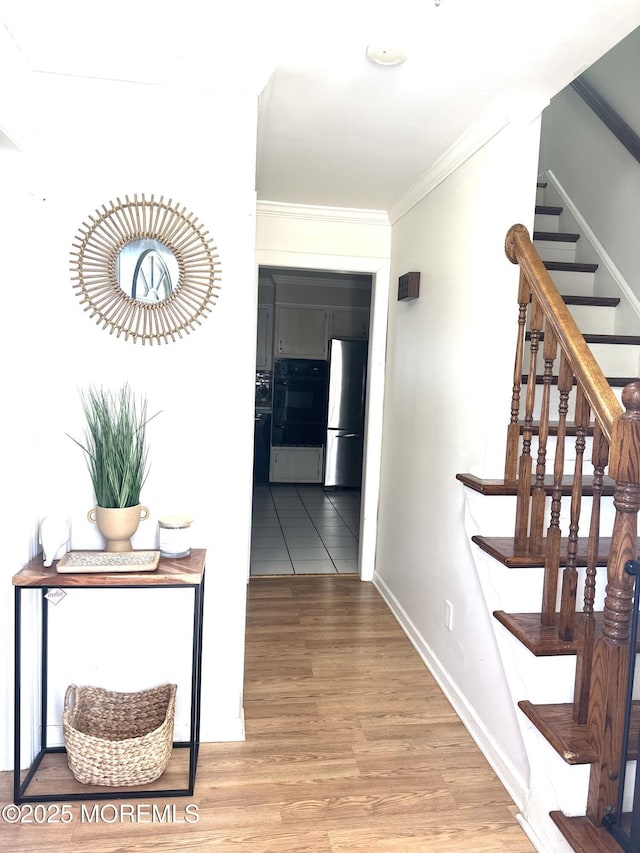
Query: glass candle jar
174,533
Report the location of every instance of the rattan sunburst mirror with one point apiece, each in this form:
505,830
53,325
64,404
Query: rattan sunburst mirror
145,269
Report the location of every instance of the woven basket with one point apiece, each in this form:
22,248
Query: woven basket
118,738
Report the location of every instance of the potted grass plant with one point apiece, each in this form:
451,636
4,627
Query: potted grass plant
116,453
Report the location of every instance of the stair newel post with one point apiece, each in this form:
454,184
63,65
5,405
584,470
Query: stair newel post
605,722
524,469
513,430
552,550
584,658
567,624
539,495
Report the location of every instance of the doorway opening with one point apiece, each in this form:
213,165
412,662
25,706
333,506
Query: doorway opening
299,524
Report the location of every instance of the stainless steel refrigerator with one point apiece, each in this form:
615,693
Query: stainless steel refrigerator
347,376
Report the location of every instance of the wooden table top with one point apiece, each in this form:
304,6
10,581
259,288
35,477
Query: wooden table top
170,571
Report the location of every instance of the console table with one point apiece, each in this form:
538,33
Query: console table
185,573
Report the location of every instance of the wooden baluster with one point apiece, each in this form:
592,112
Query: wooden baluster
513,430
552,549
605,722
584,659
570,575
539,495
524,470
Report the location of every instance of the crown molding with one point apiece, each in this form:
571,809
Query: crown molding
466,146
516,108
353,216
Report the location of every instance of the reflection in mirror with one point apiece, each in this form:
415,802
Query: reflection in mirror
147,270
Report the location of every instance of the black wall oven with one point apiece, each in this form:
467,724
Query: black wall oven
299,402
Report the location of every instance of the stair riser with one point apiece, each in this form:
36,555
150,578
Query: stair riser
600,319
573,283
550,250
501,522
549,679
547,222
595,320
558,783
569,452
617,360
554,400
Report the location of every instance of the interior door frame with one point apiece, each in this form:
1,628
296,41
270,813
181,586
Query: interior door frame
379,269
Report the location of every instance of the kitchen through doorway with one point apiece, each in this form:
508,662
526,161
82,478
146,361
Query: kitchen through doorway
307,478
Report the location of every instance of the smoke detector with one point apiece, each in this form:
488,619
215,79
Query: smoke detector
386,55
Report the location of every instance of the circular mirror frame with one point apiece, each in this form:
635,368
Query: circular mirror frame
95,252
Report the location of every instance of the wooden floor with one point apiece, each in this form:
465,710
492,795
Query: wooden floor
350,746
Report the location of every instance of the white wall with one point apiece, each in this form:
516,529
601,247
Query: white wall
96,141
616,78
447,395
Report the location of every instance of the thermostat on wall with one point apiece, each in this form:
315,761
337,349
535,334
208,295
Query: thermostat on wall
409,286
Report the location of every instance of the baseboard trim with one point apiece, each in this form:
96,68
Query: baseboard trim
223,730
528,831
512,780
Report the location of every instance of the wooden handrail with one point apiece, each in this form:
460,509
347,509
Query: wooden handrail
603,402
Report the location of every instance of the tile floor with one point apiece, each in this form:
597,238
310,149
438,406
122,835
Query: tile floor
304,530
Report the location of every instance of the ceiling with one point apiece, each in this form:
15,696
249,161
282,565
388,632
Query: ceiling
333,128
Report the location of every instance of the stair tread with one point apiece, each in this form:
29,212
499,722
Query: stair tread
548,210
541,640
614,381
626,340
510,487
556,723
569,739
556,236
590,338
570,266
597,301
505,551
583,836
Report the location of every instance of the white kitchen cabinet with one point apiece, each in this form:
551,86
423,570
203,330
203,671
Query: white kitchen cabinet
264,349
300,332
296,465
350,323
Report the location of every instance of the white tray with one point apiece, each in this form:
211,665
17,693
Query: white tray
76,562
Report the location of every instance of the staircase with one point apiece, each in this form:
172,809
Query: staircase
568,570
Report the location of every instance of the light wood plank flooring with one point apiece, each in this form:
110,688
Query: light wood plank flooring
351,746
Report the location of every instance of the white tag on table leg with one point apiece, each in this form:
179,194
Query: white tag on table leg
55,596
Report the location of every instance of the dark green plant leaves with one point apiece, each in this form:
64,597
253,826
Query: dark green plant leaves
115,444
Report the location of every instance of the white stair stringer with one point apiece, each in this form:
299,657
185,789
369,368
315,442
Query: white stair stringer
557,785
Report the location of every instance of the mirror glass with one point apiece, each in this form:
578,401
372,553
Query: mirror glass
147,270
